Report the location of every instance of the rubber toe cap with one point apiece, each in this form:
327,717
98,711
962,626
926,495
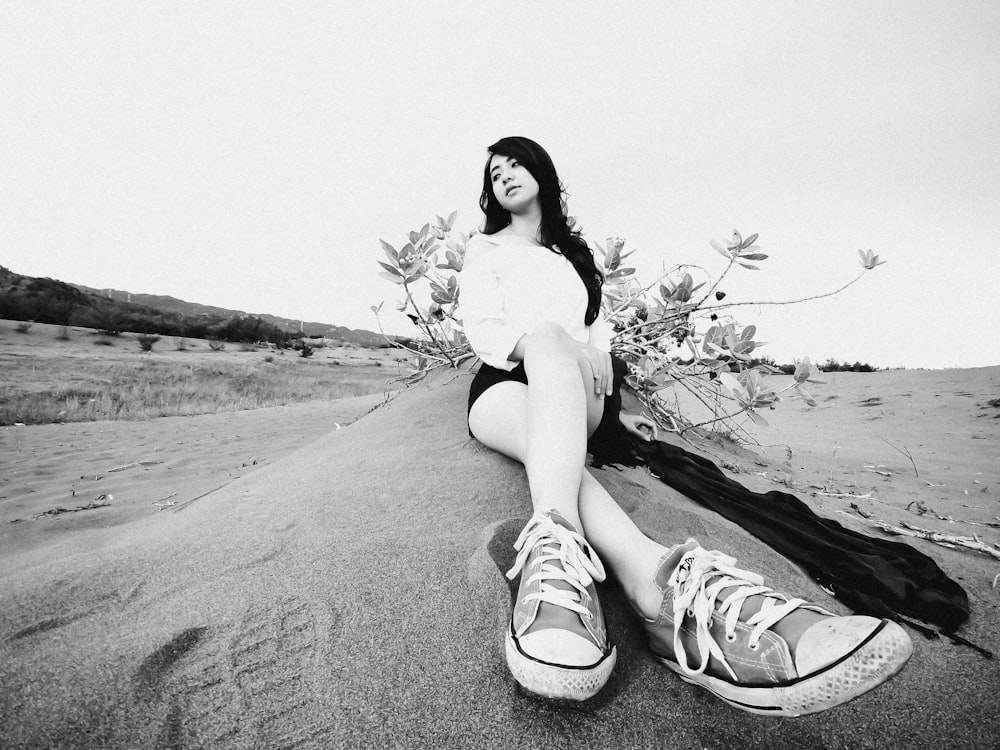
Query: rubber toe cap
557,646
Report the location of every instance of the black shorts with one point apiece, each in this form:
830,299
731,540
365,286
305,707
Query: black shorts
489,376
607,441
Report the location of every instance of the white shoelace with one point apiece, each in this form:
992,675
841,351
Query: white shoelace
580,564
699,579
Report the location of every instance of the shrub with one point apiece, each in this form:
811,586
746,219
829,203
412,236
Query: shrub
216,346
63,334
674,331
23,327
180,345
106,320
146,341
269,358
305,350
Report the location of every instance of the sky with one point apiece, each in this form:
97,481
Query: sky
251,155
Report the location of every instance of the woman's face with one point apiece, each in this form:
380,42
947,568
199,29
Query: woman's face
513,185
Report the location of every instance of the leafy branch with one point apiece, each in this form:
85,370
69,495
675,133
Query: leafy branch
668,331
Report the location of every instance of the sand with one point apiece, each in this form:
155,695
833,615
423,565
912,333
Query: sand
264,579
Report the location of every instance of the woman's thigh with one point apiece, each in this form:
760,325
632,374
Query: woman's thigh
499,418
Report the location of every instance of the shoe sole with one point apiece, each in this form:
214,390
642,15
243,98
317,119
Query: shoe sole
553,681
873,662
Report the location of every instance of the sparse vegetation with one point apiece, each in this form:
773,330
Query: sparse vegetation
180,344
78,388
23,327
216,346
63,334
832,365
146,341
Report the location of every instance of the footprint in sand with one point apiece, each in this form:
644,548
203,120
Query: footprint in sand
252,687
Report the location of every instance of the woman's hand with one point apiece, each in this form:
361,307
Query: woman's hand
600,367
640,426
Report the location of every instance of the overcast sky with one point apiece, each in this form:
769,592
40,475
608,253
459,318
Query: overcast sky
250,155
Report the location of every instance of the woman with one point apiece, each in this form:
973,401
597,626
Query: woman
530,303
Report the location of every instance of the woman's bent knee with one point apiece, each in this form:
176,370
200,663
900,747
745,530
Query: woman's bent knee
549,341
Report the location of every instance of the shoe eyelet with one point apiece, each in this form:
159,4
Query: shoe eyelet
731,638
754,646
690,612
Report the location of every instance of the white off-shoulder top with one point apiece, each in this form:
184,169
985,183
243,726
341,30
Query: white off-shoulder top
509,285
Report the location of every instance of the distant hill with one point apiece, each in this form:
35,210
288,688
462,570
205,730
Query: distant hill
47,300
169,304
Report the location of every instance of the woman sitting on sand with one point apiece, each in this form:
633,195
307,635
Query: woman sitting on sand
531,296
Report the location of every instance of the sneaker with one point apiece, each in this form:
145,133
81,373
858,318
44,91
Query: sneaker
557,645
703,634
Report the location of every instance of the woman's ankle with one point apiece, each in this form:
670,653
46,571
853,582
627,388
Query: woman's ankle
638,579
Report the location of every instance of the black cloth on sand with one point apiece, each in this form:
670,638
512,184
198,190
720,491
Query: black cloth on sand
871,575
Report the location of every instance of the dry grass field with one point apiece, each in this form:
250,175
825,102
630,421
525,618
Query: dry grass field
56,374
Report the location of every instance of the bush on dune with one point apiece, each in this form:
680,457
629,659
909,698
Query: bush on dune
677,330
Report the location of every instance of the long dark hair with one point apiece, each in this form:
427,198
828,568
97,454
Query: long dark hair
555,230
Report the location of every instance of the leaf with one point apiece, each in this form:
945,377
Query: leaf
451,218
804,395
749,240
757,418
391,251
869,259
732,384
390,269
721,249
753,256
376,308
748,332
747,265
390,277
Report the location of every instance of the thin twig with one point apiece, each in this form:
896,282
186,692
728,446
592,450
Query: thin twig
906,452
945,540
132,466
727,305
101,501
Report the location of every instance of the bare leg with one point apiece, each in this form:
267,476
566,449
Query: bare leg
500,419
552,419
505,416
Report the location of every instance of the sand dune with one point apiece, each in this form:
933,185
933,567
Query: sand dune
346,590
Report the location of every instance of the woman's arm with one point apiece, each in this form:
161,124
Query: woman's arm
490,331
